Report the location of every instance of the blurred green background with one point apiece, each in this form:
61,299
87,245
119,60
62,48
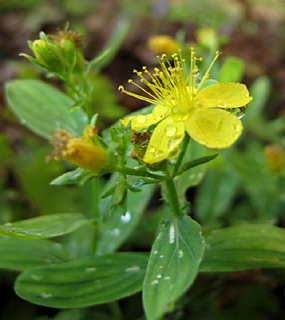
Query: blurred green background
245,183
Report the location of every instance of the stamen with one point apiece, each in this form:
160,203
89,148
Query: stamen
207,74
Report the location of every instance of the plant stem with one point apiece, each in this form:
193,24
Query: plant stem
172,197
181,155
96,211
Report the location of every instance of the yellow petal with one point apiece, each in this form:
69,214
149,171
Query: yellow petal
165,140
141,121
224,95
213,128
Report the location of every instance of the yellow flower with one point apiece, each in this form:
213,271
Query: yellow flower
274,157
182,106
162,44
80,151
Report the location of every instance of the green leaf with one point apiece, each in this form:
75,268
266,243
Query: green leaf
84,282
260,91
173,264
48,226
196,162
22,254
78,176
215,194
43,108
119,227
112,46
232,70
244,247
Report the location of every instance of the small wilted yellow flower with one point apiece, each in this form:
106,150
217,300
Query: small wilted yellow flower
162,44
80,151
274,157
181,106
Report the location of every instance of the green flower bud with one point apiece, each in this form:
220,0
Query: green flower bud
49,55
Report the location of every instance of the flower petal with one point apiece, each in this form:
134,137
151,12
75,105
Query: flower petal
213,128
224,95
165,140
141,121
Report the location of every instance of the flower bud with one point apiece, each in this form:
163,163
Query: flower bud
82,152
274,157
48,55
163,44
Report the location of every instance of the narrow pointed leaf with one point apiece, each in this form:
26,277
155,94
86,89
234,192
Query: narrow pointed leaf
196,162
22,254
84,282
173,265
78,176
244,247
43,108
48,226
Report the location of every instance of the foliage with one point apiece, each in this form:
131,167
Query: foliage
168,226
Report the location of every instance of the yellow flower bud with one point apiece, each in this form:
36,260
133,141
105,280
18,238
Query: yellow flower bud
80,151
163,44
274,157
40,44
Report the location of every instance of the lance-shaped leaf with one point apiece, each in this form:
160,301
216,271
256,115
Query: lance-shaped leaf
196,162
48,226
78,176
244,247
173,264
43,108
84,282
22,254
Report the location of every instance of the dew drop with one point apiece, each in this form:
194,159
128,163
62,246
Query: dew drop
19,230
154,282
35,277
155,252
170,130
141,118
180,253
90,269
171,234
133,269
237,128
172,143
46,295
158,276
115,232
126,218
8,224
161,256
157,114
167,278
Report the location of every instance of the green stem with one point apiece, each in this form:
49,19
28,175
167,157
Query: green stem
181,155
96,211
134,172
172,197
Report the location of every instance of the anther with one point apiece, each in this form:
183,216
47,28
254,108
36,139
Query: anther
121,89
